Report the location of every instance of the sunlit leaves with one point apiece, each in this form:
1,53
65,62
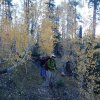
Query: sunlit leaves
46,37
14,41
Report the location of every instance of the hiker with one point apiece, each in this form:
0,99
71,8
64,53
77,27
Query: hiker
68,68
50,71
43,69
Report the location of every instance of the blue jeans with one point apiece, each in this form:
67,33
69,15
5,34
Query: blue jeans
50,77
42,72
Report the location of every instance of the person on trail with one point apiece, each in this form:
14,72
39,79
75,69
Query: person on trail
50,71
43,69
68,68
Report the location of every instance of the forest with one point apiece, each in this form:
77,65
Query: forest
33,32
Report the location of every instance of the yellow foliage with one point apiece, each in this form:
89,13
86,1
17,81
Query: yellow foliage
46,38
16,36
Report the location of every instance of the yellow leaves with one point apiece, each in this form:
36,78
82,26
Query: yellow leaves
12,35
14,38
90,55
97,51
92,77
93,62
46,38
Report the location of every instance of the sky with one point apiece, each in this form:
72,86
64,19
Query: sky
57,1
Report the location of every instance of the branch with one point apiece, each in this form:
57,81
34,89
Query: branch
10,69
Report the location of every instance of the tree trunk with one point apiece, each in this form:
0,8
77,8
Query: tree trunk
94,21
26,5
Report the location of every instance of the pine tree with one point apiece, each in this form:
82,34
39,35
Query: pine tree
8,5
96,4
53,15
57,34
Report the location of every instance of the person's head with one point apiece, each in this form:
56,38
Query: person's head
53,56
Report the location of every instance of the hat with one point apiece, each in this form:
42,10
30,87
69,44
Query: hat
53,55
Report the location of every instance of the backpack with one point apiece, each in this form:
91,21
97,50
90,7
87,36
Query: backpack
44,62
